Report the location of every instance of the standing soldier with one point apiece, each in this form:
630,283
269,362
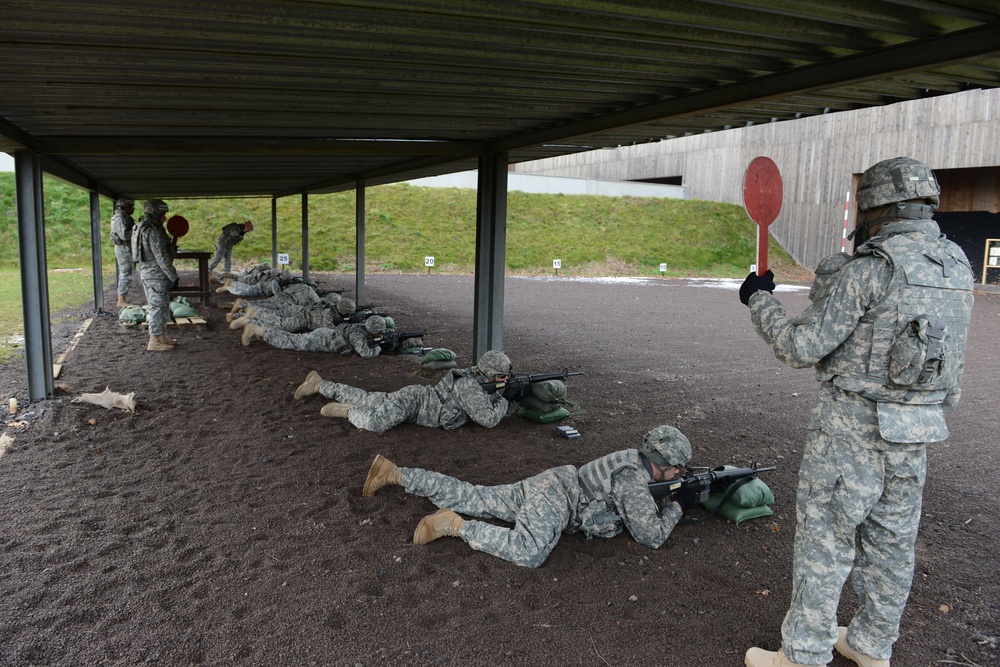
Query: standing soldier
152,249
231,235
122,225
888,345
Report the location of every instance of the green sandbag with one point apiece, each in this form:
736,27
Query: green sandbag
439,354
550,391
180,307
538,405
734,513
439,365
132,315
754,493
543,417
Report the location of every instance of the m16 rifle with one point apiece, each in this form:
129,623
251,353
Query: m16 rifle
695,486
518,385
393,340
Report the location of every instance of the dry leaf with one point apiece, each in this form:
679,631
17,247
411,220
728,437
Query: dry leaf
109,399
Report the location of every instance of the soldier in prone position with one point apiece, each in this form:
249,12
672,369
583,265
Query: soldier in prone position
600,499
455,400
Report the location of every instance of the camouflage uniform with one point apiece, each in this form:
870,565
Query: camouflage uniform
152,249
122,225
600,500
294,318
343,339
231,235
863,467
269,283
453,401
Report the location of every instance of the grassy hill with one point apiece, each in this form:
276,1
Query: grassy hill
592,235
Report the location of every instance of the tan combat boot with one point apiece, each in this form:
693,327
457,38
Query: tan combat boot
336,410
239,322
860,659
758,657
252,332
250,312
225,287
310,386
122,302
440,524
236,305
382,473
164,338
157,345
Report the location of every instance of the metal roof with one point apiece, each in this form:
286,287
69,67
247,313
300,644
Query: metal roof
199,98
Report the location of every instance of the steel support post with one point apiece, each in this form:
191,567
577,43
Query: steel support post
34,274
95,251
359,224
491,254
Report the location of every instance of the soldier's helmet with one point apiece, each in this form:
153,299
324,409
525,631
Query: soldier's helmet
124,202
666,446
154,208
346,307
494,364
375,324
332,299
895,180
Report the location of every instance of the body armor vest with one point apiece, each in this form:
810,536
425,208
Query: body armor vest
932,282
595,477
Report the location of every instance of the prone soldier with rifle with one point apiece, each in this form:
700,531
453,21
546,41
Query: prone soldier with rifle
458,398
600,499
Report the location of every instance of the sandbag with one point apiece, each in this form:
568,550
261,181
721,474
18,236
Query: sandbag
439,354
180,307
132,314
439,359
754,493
439,365
550,391
734,513
543,417
538,405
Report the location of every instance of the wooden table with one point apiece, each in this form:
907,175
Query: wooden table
203,288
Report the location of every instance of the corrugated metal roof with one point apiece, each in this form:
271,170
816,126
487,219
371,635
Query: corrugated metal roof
262,97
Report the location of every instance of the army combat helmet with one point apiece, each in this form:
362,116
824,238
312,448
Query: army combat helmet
896,180
346,307
906,185
375,325
494,364
154,208
124,202
666,447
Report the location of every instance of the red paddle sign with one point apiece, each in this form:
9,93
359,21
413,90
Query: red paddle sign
762,194
178,226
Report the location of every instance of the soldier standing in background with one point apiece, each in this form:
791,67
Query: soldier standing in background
122,225
600,499
888,345
230,237
153,250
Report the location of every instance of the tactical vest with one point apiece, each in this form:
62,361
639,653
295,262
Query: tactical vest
930,282
595,477
596,515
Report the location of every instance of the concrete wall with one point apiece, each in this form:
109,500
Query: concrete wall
819,158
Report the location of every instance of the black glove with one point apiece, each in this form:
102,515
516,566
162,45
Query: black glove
686,499
753,283
516,393
174,285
